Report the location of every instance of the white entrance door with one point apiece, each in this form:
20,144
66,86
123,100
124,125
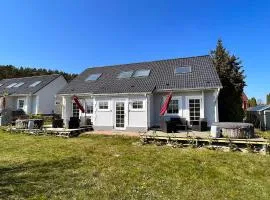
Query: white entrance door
120,115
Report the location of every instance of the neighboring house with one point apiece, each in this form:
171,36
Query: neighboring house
129,96
35,95
244,101
259,116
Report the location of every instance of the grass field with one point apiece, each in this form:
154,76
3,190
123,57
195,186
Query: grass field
264,134
111,167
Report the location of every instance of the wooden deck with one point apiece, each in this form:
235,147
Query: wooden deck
201,138
62,132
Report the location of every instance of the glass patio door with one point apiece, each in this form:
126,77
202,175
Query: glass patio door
120,115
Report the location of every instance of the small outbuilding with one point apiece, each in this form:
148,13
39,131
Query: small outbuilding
259,116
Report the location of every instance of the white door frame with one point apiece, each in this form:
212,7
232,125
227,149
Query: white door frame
125,113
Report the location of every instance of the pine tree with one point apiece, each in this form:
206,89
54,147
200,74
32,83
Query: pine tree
252,102
232,77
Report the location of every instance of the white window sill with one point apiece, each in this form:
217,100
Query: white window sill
137,110
103,110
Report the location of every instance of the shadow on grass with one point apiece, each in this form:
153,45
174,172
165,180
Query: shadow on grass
36,178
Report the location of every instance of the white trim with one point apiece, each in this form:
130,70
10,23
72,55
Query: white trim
24,103
125,101
139,109
103,110
85,108
187,89
202,105
180,106
187,106
107,94
216,93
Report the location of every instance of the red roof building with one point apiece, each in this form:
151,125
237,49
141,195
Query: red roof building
244,101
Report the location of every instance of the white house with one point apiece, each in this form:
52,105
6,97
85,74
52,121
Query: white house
35,95
129,96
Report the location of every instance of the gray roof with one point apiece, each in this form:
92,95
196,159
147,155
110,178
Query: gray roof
259,108
203,75
25,89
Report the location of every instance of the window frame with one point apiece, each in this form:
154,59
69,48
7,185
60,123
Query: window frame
137,109
141,70
103,109
35,84
188,108
184,67
73,103
130,74
97,75
87,102
180,106
18,103
11,85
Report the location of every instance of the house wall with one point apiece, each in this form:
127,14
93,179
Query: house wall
47,95
135,120
267,119
141,120
207,105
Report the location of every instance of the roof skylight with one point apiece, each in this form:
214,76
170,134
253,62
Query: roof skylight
93,77
35,84
19,84
182,70
126,74
141,73
11,85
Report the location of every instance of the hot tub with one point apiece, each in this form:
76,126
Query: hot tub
235,129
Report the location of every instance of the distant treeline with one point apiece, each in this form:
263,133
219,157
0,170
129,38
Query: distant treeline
9,71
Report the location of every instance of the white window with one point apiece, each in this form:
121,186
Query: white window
194,110
103,105
11,85
173,107
137,105
89,107
93,77
182,70
20,103
141,73
126,74
35,84
19,84
75,110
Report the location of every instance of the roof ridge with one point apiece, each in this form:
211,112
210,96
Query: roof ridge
152,61
30,77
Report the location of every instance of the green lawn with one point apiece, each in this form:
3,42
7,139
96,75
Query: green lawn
264,134
110,167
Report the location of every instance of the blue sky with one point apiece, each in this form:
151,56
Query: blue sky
73,35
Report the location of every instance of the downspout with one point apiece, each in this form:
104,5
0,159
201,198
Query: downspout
216,106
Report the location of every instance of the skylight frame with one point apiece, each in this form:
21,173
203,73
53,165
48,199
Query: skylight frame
11,85
18,84
35,84
183,70
125,74
93,77
141,73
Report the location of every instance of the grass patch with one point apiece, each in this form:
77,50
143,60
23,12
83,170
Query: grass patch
264,134
112,167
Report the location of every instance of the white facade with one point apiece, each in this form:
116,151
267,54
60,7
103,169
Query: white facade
139,112
42,102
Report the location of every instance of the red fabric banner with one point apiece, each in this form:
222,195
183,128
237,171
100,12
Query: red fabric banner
78,103
166,104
